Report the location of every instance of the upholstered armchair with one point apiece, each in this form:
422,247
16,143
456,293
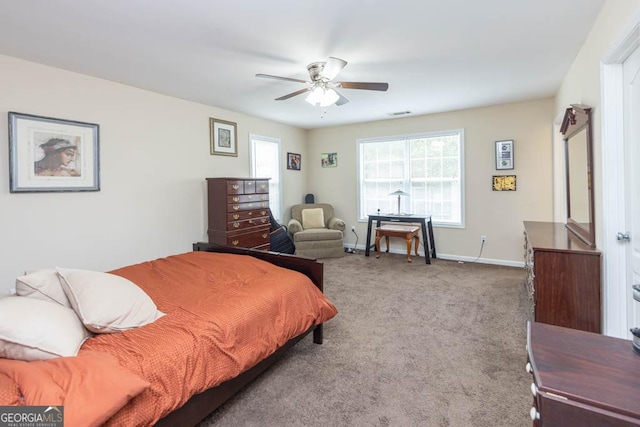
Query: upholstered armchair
316,232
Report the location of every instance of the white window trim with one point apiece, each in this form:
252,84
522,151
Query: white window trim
278,142
363,216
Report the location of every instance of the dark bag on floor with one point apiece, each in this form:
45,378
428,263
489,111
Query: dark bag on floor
279,240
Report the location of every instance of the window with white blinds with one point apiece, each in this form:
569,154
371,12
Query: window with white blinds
428,167
265,163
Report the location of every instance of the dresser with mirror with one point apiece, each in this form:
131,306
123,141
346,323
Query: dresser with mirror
562,264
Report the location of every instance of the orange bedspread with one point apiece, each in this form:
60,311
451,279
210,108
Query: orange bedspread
224,312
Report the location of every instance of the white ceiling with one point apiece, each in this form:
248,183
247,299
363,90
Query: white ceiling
436,55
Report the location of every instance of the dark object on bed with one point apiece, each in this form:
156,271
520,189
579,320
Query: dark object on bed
203,404
280,241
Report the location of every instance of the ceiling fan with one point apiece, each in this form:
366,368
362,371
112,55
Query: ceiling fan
321,87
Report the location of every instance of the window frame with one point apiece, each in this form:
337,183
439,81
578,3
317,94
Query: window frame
363,216
252,164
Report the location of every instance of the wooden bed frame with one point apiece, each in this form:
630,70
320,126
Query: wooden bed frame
201,405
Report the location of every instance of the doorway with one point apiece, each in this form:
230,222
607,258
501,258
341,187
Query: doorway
621,155
631,106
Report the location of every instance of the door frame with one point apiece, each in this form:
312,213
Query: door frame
615,266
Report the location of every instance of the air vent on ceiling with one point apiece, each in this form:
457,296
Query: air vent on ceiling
400,113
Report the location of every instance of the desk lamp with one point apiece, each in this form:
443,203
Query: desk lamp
399,193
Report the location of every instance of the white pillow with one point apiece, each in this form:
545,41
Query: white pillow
32,329
313,218
107,303
44,285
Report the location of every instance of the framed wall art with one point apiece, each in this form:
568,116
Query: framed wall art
503,183
49,155
294,161
329,160
223,138
504,154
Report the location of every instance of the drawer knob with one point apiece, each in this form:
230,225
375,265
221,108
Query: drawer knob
235,242
236,207
250,213
236,224
236,199
236,216
527,368
535,415
263,212
235,186
251,222
263,220
264,197
265,235
534,389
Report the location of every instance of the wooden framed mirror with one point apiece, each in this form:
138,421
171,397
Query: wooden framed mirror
578,146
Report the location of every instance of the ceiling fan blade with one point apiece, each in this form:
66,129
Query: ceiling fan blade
292,94
363,85
342,100
332,67
288,79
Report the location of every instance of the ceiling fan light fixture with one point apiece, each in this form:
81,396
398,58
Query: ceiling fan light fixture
315,96
322,96
330,98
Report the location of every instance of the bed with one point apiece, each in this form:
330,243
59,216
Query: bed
224,315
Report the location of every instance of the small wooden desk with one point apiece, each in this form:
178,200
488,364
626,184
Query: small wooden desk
407,232
424,221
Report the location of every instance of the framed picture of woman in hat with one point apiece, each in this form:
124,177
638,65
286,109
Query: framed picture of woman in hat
47,154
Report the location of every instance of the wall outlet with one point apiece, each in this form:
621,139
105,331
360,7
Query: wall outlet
483,239
353,228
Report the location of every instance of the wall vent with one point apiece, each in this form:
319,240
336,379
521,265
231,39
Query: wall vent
400,113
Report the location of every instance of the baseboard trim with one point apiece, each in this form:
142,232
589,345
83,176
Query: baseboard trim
504,262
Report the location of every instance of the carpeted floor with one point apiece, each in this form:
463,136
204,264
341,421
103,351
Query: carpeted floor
412,345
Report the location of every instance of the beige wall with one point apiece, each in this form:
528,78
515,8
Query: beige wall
581,85
498,215
154,155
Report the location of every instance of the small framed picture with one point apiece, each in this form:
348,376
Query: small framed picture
329,160
293,161
223,138
48,155
504,154
503,183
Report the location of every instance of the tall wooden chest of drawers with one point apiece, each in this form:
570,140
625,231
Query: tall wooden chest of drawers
239,212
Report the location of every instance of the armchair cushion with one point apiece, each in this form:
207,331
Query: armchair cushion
313,218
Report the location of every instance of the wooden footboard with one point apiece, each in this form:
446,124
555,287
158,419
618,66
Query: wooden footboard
201,405
307,266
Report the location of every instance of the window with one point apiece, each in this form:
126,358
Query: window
429,167
265,163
